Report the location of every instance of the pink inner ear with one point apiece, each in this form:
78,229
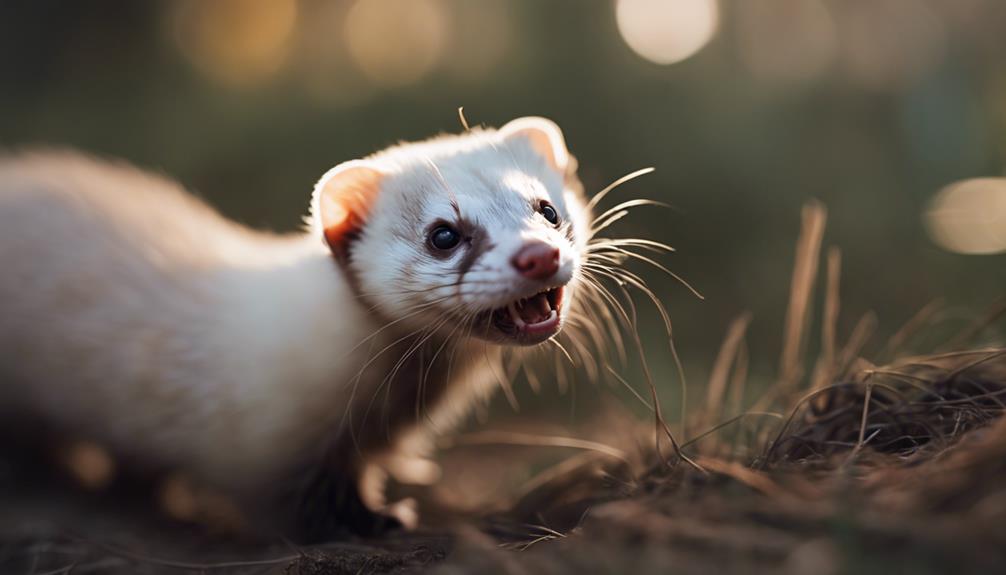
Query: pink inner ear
336,220
545,138
344,200
545,145
344,214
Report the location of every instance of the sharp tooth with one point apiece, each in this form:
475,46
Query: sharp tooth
512,308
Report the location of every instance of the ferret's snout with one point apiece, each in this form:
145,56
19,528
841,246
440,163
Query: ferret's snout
537,261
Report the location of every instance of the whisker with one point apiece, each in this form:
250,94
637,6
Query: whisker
416,310
347,415
586,359
599,243
561,378
596,229
504,385
618,212
532,378
607,189
420,395
591,291
631,389
637,282
467,324
661,267
555,342
423,336
422,290
608,296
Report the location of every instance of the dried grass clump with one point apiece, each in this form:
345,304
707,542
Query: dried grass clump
920,403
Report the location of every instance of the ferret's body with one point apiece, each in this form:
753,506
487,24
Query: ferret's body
136,315
133,314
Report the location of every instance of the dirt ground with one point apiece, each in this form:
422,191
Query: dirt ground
893,469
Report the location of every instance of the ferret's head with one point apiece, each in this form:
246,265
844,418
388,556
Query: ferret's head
480,234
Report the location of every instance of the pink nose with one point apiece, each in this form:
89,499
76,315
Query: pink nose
537,261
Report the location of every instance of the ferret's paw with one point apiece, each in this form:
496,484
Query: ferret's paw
406,469
405,511
412,470
371,487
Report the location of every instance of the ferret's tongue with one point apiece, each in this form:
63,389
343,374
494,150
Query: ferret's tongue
532,310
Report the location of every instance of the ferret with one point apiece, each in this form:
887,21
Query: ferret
300,370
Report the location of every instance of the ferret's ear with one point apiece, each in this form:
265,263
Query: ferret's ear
545,138
342,200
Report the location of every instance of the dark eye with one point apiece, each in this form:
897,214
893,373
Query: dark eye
444,238
549,212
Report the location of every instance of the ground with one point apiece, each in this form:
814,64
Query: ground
915,482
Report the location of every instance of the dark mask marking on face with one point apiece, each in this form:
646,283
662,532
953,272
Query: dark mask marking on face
478,244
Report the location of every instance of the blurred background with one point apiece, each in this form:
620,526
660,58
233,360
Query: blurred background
879,108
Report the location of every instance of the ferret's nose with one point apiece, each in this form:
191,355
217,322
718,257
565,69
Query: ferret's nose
537,261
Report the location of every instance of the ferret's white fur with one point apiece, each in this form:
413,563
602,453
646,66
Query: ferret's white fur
134,314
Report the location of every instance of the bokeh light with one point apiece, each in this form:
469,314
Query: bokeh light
786,41
969,217
396,42
235,41
667,31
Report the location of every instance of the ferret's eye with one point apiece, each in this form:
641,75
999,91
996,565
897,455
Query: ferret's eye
549,212
444,238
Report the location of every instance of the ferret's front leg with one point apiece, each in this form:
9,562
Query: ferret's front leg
407,463
372,486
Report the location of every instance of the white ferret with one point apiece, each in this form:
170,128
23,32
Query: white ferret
309,365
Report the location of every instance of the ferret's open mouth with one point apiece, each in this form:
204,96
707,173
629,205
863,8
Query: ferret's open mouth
532,319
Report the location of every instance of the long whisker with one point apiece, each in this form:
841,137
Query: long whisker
597,228
639,284
592,292
458,283
556,343
600,243
420,396
347,415
626,178
532,378
467,331
589,325
586,358
423,337
659,266
618,212
414,311
503,382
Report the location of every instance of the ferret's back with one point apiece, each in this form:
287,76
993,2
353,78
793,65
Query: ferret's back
63,202
98,264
